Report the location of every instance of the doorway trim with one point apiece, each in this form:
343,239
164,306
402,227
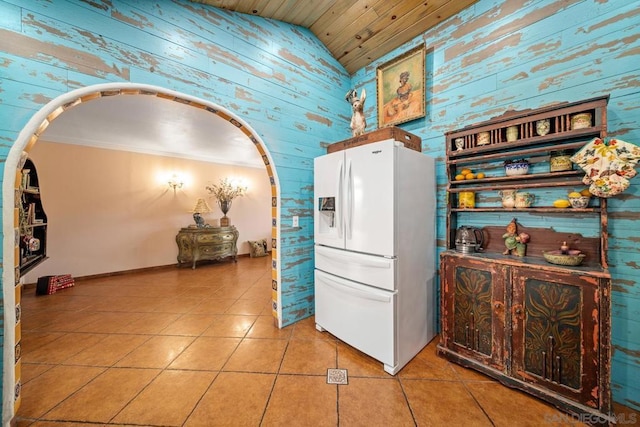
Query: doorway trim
28,136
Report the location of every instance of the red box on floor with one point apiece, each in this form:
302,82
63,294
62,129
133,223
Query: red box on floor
48,285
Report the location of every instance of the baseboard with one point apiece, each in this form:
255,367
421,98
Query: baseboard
122,272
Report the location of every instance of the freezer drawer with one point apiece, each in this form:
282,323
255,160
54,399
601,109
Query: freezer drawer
370,269
359,315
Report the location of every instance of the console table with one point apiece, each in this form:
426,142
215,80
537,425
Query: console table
206,243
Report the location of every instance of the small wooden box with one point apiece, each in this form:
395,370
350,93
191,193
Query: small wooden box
410,140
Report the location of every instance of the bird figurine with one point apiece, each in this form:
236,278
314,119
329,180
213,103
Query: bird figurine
358,121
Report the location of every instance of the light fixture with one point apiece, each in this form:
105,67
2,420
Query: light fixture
175,182
200,208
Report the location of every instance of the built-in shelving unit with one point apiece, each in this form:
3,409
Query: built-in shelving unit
32,220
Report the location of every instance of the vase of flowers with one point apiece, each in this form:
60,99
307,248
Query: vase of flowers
224,192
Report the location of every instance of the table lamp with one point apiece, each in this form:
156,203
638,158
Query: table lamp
200,208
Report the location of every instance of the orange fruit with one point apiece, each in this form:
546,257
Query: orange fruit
480,175
459,177
469,176
465,172
586,192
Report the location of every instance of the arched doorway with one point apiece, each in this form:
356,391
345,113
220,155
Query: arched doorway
26,140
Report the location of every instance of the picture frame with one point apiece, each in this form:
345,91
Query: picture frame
401,88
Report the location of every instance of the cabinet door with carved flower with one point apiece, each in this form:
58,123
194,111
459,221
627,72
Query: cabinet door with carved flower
473,309
555,330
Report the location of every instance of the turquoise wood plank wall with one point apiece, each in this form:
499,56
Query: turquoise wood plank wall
520,54
277,77
495,56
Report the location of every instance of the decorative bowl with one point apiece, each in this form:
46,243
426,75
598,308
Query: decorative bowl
572,257
579,202
516,168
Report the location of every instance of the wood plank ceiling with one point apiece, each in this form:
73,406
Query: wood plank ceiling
356,32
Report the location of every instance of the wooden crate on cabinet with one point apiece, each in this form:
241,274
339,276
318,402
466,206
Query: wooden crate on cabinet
535,326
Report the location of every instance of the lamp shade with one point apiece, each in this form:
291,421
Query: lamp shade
201,207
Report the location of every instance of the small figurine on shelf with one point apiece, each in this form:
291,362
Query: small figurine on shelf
521,246
510,237
514,241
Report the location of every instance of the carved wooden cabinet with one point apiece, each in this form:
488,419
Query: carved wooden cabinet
473,310
557,335
206,243
539,327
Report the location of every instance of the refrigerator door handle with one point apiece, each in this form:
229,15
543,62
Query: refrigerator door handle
384,263
347,289
341,204
349,200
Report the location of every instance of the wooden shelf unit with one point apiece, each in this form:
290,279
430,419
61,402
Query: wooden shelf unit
501,314
30,210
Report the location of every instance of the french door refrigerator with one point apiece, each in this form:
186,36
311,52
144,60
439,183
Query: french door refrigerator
375,266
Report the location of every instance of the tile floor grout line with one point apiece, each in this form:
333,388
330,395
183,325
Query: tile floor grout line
464,384
273,386
72,394
406,398
195,406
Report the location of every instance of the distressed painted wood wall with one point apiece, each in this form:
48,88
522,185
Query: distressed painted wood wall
278,78
504,55
497,55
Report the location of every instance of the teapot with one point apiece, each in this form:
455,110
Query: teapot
469,239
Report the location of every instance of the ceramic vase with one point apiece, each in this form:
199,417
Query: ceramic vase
508,198
524,199
581,121
543,126
483,138
224,207
467,200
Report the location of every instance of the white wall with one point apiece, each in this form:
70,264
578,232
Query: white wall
112,211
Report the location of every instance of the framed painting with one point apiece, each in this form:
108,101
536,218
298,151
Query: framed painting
401,88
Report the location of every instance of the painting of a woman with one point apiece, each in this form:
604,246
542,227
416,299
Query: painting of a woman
401,89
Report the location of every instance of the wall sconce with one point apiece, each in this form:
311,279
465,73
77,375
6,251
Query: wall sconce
175,182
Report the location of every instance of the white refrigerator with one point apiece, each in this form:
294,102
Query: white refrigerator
375,265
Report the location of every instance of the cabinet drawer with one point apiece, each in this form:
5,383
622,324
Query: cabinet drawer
222,249
215,238
362,316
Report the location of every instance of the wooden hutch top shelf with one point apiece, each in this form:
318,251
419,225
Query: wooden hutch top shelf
533,135
573,122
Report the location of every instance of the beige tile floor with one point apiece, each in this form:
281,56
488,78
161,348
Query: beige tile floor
183,347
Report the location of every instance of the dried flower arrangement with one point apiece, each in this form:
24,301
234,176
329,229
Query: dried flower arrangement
225,192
